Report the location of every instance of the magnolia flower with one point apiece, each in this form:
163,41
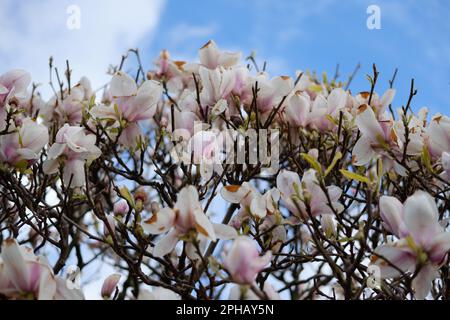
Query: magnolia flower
438,133
110,285
73,148
379,104
22,147
121,207
130,103
69,108
295,194
217,85
270,91
251,201
423,243
211,57
26,276
243,261
375,136
186,215
13,83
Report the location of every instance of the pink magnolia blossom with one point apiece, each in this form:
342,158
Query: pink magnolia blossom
295,193
130,103
211,57
243,260
110,285
73,148
423,243
251,201
26,276
186,215
13,83
21,148
121,207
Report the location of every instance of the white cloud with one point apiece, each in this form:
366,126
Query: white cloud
31,31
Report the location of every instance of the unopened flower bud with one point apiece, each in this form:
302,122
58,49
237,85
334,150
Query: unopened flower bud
121,208
110,285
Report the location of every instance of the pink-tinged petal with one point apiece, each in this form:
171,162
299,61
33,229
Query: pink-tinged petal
363,152
337,99
368,123
439,134
439,247
160,222
203,225
56,150
421,218
17,79
387,98
421,284
258,207
243,262
103,112
47,283
166,244
143,106
209,55
187,204
224,232
229,59
297,109
130,135
122,85
398,254
74,173
34,136
185,120
15,265
235,193
391,211
50,166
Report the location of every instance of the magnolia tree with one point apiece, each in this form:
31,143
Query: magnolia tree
213,180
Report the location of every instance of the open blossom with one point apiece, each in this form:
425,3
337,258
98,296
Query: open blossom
295,194
186,215
73,148
423,243
69,107
22,147
26,276
243,260
129,103
211,56
252,202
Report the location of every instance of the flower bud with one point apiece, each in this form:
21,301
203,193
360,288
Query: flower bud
110,285
121,208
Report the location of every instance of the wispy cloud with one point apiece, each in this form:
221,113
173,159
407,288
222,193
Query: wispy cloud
31,31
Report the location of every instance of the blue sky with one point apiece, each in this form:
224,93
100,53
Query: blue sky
289,34
316,35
